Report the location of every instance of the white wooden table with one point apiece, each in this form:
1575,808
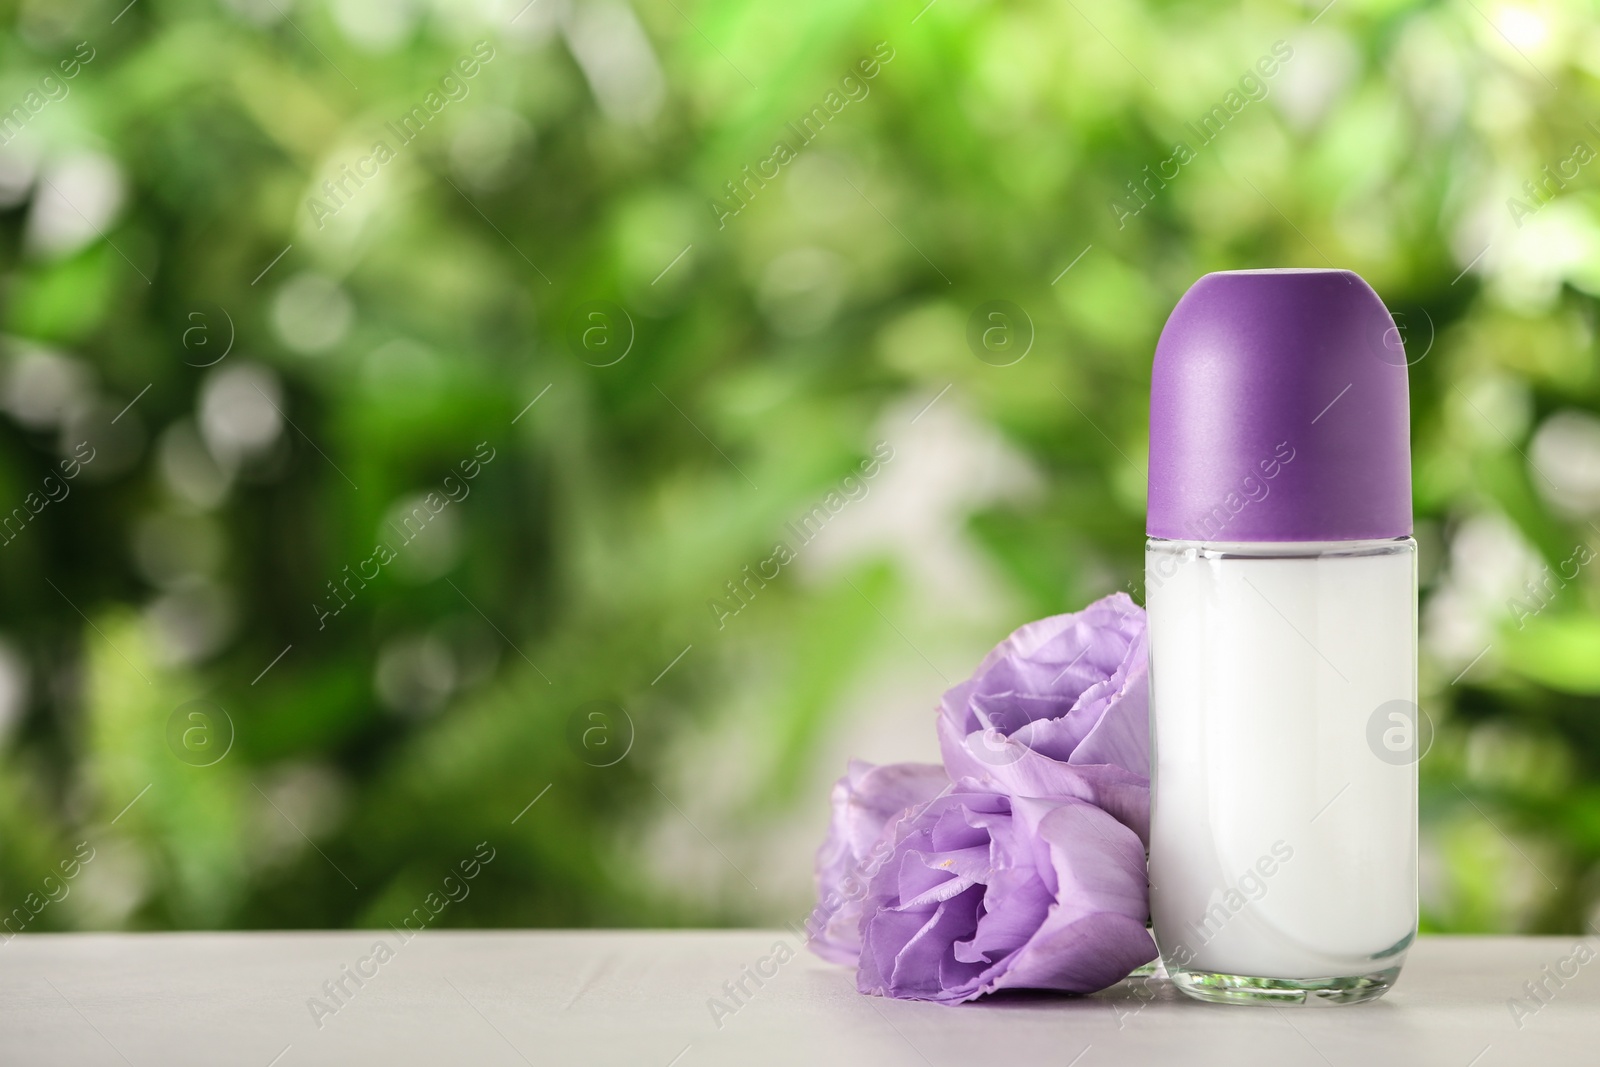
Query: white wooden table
646,999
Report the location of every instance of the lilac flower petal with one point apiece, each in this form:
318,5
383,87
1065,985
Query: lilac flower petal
874,795
1071,688
1121,738
1039,657
1095,935
1086,956
1049,730
867,802
963,825
1016,906
1108,723
918,965
1061,905
967,864
1025,773
1099,863
917,880
1080,656
892,931
941,875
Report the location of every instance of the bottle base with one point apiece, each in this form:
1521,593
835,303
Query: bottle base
1216,988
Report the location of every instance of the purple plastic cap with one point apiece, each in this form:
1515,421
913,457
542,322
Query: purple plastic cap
1279,412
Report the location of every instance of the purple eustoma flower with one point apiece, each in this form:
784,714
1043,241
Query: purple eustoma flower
1060,709
867,802
1020,863
985,891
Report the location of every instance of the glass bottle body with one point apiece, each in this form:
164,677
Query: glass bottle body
1284,737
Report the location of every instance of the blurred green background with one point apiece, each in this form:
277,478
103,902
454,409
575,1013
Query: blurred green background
276,340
